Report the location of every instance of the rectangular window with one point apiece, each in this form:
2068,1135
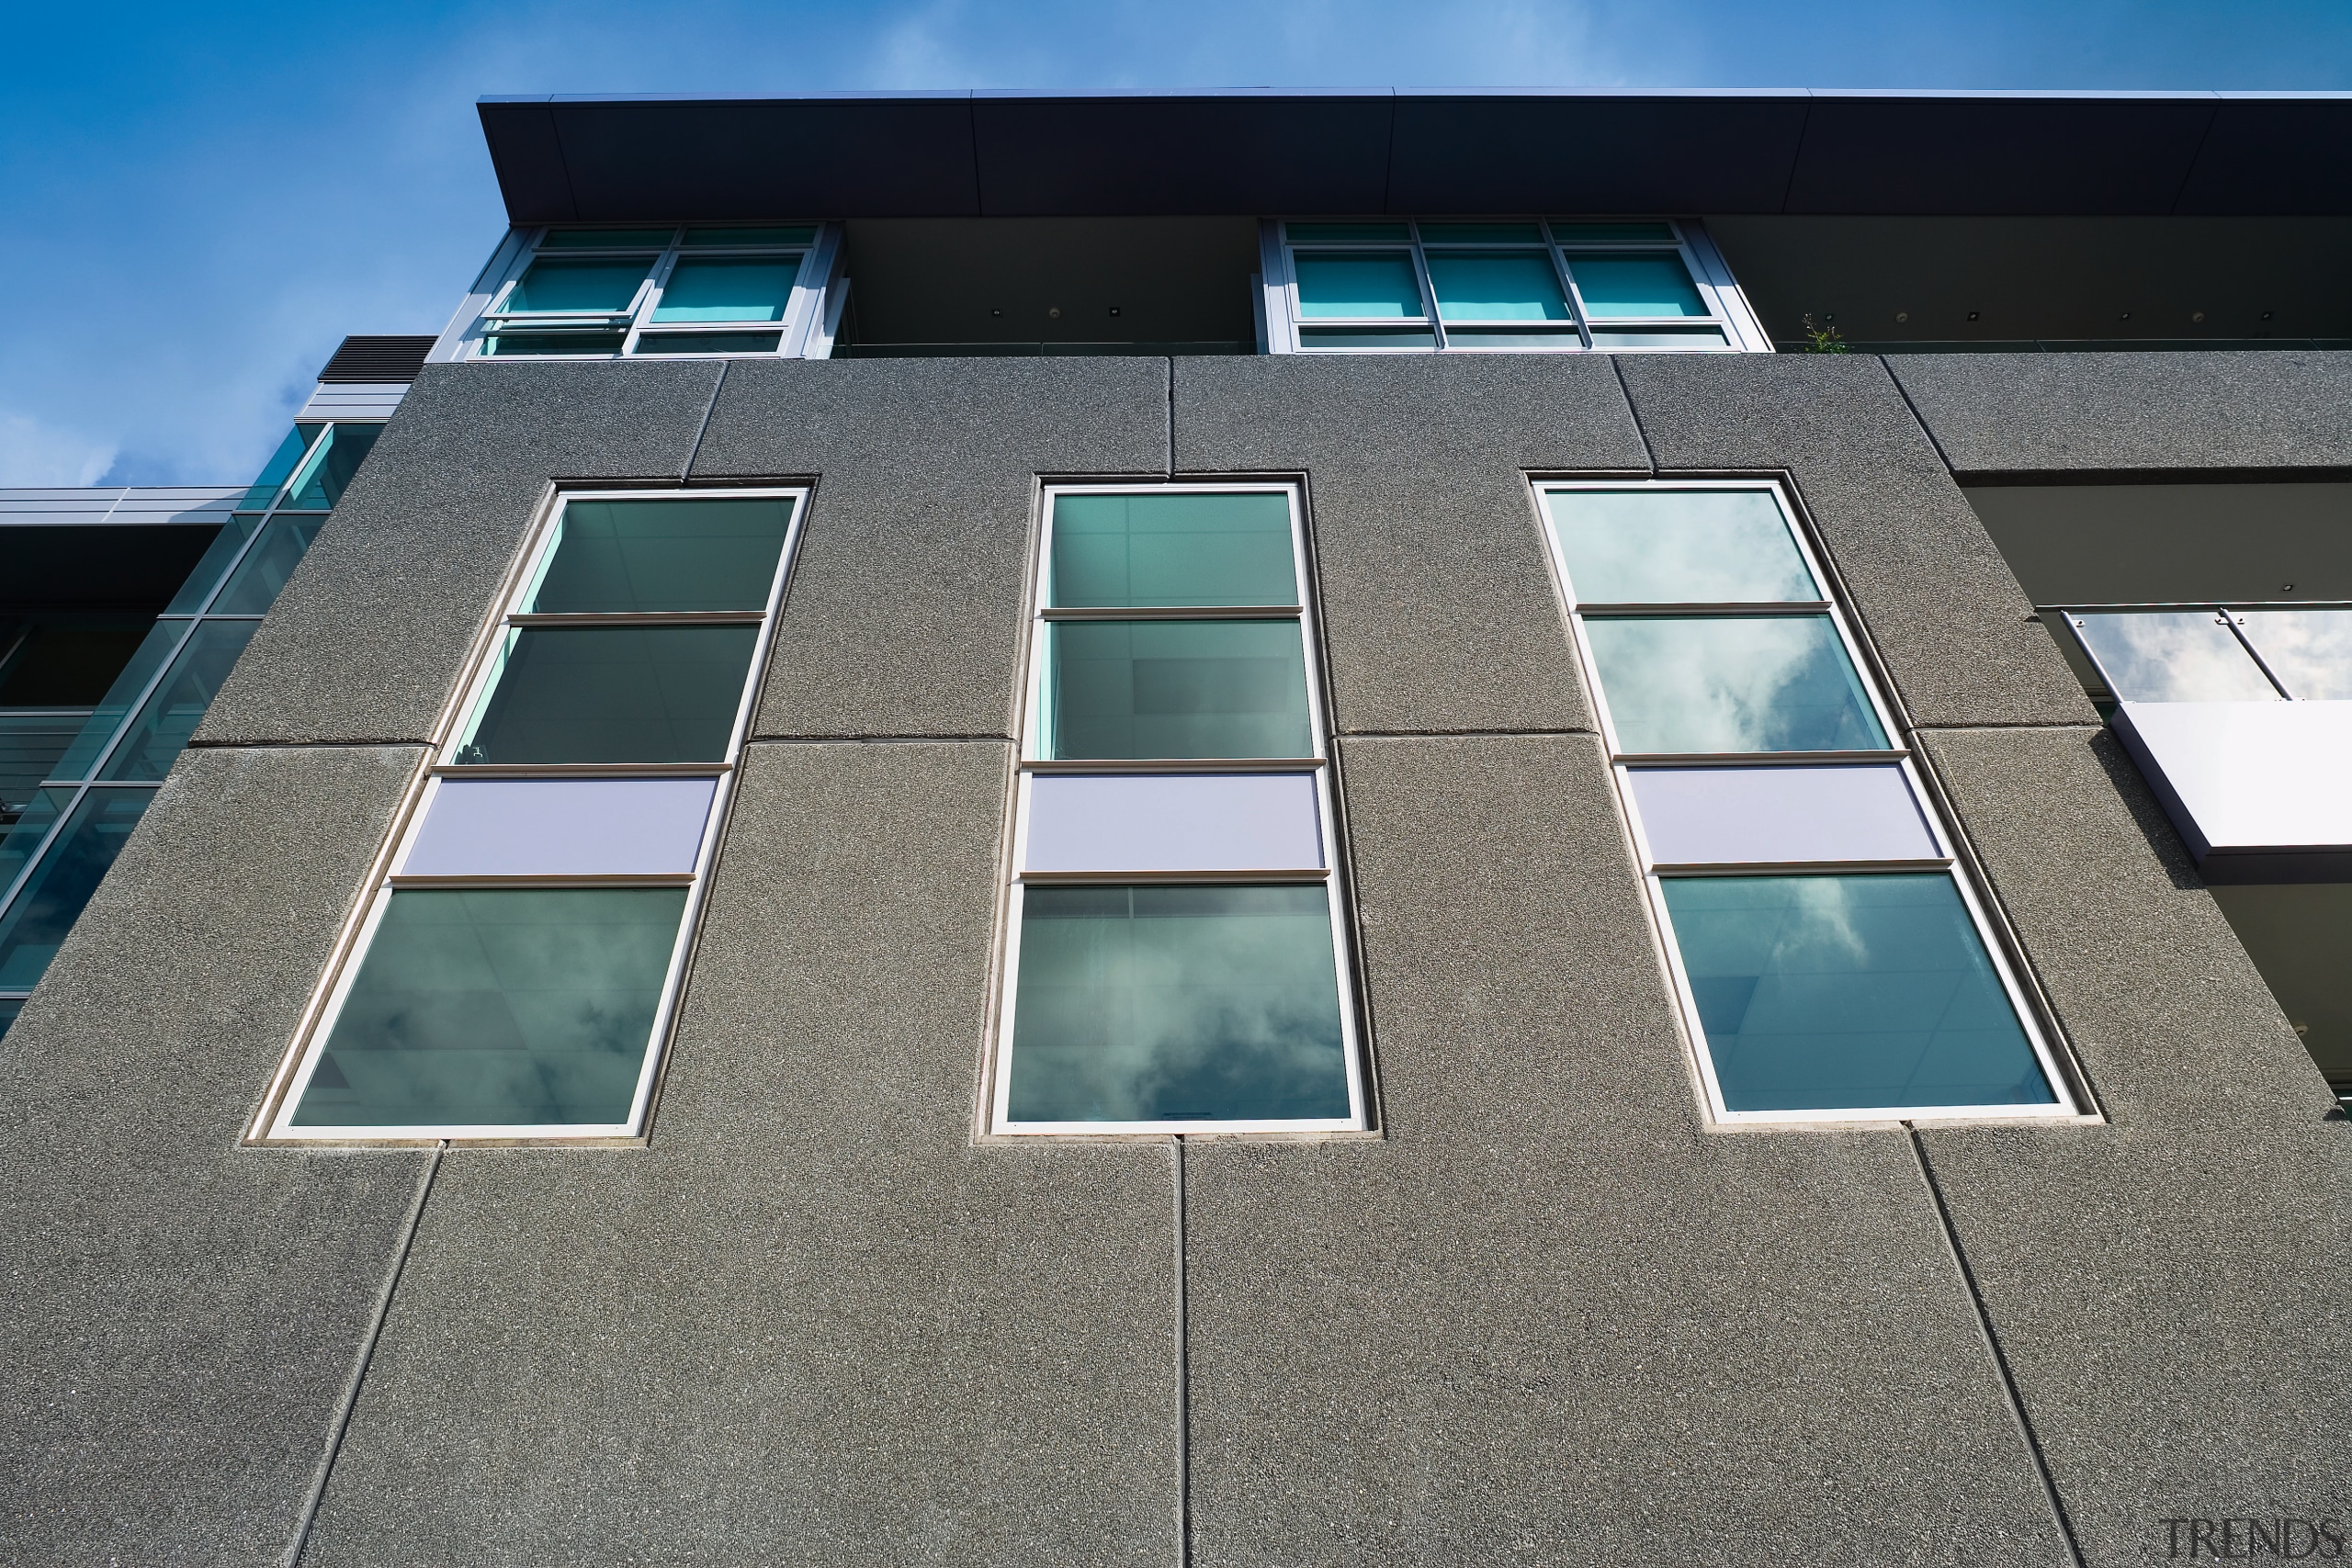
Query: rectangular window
513,974
1514,284
1178,960
1832,961
699,290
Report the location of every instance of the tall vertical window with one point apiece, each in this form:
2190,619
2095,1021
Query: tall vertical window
1526,283
1832,961
668,289
1178,956
516,970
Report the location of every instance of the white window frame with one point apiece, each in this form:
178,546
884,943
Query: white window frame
273,1122
996,1089
1286,320
811,316
2033,1016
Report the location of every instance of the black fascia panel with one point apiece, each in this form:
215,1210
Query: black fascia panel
2008,154
523,150
1139,154
1594,152
2274,153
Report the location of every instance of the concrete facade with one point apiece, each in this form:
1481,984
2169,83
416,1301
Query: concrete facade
1546,1312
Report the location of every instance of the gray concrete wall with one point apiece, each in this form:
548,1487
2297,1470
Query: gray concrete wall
1548,1312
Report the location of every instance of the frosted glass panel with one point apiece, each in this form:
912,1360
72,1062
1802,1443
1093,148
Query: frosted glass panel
2174,656
1691,547
2309,650
1173,823
1724,816
561,827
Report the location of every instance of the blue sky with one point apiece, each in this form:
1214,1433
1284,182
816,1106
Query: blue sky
198,202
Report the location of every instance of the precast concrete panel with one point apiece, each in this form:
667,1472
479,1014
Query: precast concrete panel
1438,610
180,1316
908,599
1548,1315
812,1322
1939,600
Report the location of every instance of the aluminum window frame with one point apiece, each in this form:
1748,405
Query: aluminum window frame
273,1123
997,1079
2073,1102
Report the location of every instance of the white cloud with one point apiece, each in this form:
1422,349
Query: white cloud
33,452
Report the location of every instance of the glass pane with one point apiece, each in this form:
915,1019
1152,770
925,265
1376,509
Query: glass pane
1832,993
744,288
2174,656
585,287
217,556
1378,285
613,694
1349,233
1135,822
562,827
1175,689
53,897
559,344
757,234
605,238
261,577
1497,288
1505,337
1660,337
9,1007
281,463
23,839
1691,547
1732,684
1570,232
1729,816
156,736
615,556
1471,234
1177,1004
2309,650
1635,286
30,744
163,641
68,661
1366,337
1172,549
708,343
322,484
499,1007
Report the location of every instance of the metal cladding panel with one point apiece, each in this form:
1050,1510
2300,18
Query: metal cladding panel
2267,156
528,156
1589,152
2012,156
2256,789
1229,154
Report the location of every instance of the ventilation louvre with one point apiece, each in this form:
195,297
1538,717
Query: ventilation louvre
378,359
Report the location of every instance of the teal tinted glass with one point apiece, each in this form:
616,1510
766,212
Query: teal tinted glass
605,238
1472,233
1560,337
281,463
156,738
323,480
1691,547
727,288
624,557
1177,1004
1473,287
36,815
577,345
755,235
613,694
1570,231
1731,683
594,287
1366,337
1175,689
1660,337
30,744
9,1007
1635,286
706,343
1379,285
83,755
52,898
265,567
499,1007
1172,549
223,549
1349,233
1836,993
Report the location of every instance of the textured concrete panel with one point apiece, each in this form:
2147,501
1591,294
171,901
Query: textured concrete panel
369,637
812,1322
2174,1290
1940,604
179,1315
908,603
1439,611
1551,1317
2038,413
